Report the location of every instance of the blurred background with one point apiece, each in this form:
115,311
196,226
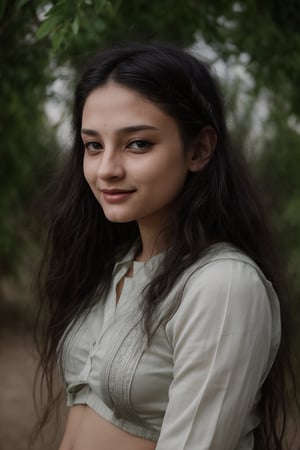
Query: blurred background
254,50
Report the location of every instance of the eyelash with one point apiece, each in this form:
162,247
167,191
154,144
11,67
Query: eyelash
90,144
146,144
94,146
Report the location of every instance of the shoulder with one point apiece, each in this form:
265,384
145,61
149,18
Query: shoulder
226,288
222,265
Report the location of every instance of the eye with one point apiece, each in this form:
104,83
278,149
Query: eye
140,144
93,146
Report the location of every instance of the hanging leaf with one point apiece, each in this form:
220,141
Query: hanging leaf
75,25
47,27
59,38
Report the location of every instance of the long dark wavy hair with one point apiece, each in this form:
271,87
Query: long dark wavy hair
217,204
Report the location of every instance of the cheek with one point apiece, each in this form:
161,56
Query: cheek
88,171
166,176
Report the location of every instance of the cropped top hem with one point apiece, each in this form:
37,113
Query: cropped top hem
86,397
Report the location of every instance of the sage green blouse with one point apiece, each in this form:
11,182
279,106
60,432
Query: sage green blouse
197,385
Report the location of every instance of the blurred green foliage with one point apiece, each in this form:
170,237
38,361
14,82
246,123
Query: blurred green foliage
267,31
26,138
37,36
278,176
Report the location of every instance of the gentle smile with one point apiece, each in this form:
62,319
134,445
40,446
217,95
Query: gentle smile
117,191
116,195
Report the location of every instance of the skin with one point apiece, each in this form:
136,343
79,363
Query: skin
86,430
136,165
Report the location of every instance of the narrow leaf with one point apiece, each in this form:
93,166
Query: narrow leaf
47,27
75,25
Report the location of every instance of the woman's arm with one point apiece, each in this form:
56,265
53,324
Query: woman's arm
223,341
72,427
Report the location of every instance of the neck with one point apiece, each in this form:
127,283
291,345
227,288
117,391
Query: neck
154,240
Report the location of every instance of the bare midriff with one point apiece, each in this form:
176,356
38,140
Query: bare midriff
87,430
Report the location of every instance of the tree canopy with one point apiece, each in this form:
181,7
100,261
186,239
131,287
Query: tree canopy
267,32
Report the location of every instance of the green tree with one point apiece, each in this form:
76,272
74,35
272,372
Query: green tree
27,143
268,32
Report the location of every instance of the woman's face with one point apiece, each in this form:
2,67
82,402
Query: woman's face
134,161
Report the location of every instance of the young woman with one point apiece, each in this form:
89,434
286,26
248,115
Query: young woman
164,299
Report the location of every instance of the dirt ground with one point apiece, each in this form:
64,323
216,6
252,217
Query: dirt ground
17,415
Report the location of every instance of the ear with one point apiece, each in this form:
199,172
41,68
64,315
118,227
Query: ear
202,149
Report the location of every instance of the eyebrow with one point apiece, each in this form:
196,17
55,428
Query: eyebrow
129,129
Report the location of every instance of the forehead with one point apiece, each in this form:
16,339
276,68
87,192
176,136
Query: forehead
115,104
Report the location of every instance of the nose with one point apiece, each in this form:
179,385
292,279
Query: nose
110,165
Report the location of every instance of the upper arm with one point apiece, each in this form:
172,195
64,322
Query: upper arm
72,426
221,336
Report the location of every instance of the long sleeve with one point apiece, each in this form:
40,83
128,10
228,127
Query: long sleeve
222,337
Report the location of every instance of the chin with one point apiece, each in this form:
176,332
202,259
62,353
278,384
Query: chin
118,218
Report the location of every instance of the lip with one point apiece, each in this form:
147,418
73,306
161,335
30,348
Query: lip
116,195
